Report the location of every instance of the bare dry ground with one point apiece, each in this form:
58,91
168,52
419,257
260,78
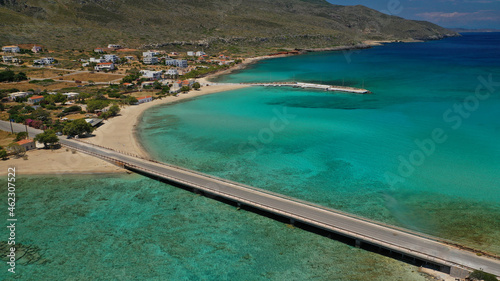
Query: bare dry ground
44,72
6,138
24,86
96,77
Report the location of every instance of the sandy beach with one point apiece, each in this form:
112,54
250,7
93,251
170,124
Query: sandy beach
58,162
119,132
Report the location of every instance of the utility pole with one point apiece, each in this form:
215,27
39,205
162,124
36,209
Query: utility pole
27,134
11,129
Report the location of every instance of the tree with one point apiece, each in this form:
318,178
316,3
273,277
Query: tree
93,105
21,136
19,151
481,275
185,89
157,85
47,137
40,114
57,98
114,110
73,108
3,154
130,100
196,86
20,77
78,127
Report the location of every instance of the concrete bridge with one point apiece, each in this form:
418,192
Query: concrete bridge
449,257
303,86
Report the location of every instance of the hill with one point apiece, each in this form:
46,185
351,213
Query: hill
209,23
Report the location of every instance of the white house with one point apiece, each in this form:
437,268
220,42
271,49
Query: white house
114,46
150,60
190,53
200,53
105,66
98,50
35,99
11,49
178,63
7,58
172,72
99,60
151,75
144,99
150,53
16,95
129,58
111,58
71,95
36,49
44,61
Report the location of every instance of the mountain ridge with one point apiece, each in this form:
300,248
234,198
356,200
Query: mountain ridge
263,23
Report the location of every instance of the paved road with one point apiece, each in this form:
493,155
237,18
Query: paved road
397,239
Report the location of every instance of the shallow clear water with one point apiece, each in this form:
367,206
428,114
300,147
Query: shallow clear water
421,152
133,228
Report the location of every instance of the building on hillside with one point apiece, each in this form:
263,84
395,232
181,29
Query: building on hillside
98,60
104,66
35,99
44,61
147,84
114,46
36,49
151,75
174,53
190,53
144,99
98,50
7,59
94,121
200,53
11,49
28,144
172,72
150,60
178,63
129,58
71,95
150,53
111,58
16,95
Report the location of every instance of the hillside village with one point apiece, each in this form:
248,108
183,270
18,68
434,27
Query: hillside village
47,89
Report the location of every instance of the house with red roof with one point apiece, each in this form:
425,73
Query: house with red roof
27,144
144,99
35,99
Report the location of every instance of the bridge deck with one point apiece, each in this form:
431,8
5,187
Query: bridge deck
400,240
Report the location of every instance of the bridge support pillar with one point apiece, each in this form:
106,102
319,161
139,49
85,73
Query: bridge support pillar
358,243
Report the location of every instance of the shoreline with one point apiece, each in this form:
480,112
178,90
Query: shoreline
120,132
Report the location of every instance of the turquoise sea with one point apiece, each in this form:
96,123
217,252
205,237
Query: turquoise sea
421,152
340,150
